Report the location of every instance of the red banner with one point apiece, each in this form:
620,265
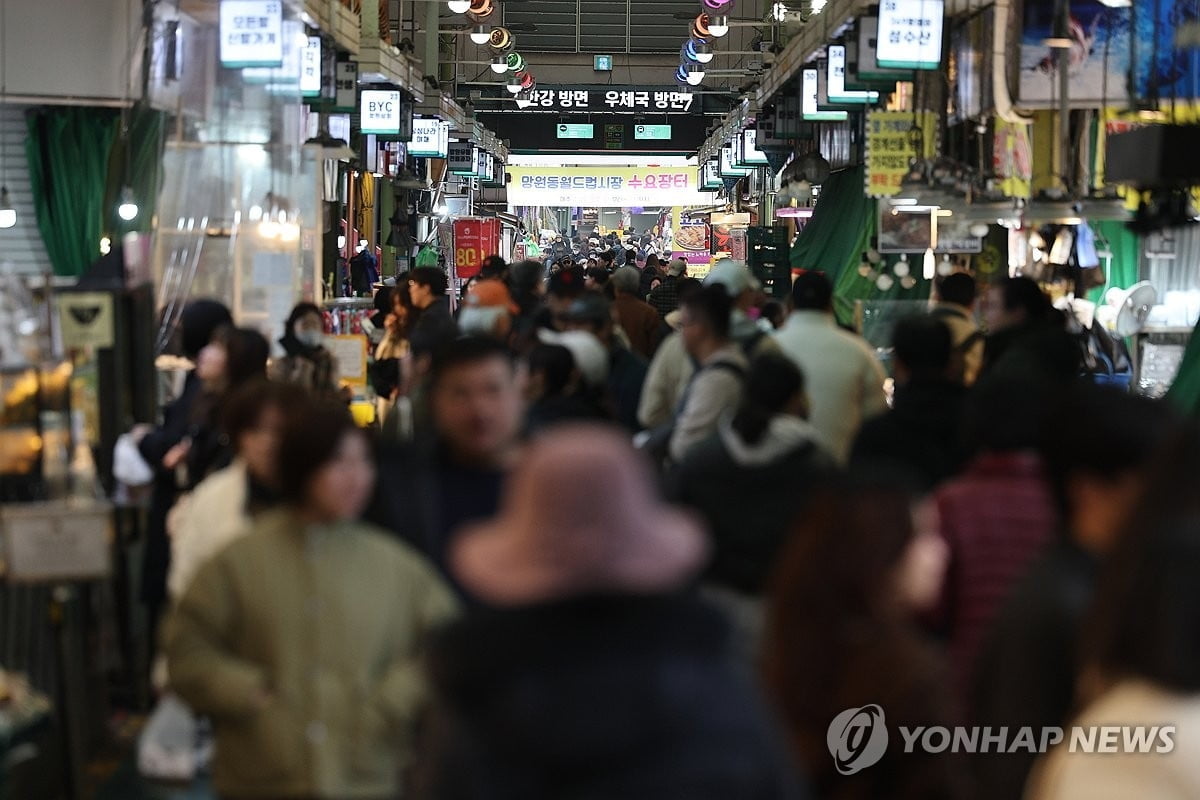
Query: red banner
474,240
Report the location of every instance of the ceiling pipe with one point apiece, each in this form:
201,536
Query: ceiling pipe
1004,104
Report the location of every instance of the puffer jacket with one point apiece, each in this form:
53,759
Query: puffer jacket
301,643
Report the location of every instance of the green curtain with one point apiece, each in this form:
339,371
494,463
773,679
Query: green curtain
68,153
1184,393
1124,271
833,241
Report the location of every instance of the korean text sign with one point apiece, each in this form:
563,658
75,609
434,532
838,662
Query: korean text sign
891,147
251,33
563,98
474,240
910,34
606,187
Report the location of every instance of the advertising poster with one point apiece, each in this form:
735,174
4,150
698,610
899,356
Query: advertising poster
693,241
1099,35
891,148
474,240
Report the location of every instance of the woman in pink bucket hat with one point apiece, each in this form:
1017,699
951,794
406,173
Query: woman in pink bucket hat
593,670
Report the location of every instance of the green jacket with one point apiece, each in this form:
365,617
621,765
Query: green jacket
328,622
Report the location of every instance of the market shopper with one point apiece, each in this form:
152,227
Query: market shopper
750,479
921,432
198,322
557,391
1141,663
626,369
1097,453
743,288
956,308
1027,337
636,317
397,324
717,386
841,636
454,472
669,371
300,640
307,362
845,380
434,326
665,297
996,517
234,357
488,310
594,673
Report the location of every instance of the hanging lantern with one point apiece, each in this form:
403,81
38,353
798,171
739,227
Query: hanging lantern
516,62
700,27
481,8
717,5
501,40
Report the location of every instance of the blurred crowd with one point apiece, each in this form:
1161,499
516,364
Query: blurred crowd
619,533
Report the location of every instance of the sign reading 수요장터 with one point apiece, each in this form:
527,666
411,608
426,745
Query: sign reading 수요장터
606,187
910,34
614,99
379,111
251,33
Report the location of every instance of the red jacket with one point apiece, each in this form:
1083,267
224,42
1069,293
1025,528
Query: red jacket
996,518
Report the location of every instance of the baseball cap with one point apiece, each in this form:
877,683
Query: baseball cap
490,293
677,267
591,307
733,275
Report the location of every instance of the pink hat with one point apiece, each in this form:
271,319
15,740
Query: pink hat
578,516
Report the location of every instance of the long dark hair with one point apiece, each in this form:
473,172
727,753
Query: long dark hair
774,380
1147,608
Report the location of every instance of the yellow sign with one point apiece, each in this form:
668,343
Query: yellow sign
350,350
606,187
891,147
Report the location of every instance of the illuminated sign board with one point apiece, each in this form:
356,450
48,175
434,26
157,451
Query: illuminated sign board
652,132
809,86
379,112
910,34
251,33
836,80
576,131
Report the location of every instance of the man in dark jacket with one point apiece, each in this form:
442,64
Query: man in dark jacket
428,286
428,490
665,297
1028,670
626,369
921,431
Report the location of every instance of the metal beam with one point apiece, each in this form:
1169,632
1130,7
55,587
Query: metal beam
803,47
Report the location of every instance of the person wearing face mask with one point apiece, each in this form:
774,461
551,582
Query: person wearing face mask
307,363
302,639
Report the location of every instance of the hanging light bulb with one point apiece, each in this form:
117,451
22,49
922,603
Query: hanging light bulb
8,213
500,40
515,84
703,51
885,282
908,281
695,74
459,6
128,208
930,265
718,25
481,34
499,64
901,269
945,267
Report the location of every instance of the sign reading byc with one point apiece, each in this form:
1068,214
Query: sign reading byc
910,34
572,99
379,112
430,138
606,187
251,33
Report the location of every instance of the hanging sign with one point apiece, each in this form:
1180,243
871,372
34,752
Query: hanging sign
836,82
251,33
749,153
890,148
379,112
910,34
461,156
727,168
86,319
809,88
483,164
430,138
474,240
710,174
652,132
310,68
576,131
606,187
629,98
347,85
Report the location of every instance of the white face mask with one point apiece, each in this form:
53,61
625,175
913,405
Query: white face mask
309,337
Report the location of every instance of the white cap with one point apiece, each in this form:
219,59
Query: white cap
589,354
733,275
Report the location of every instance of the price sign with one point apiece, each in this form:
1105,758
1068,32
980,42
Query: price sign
474,240
251,33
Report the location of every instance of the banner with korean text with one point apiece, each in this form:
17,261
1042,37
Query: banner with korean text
892,145
606,187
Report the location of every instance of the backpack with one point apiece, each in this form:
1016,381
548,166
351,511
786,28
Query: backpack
656,443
